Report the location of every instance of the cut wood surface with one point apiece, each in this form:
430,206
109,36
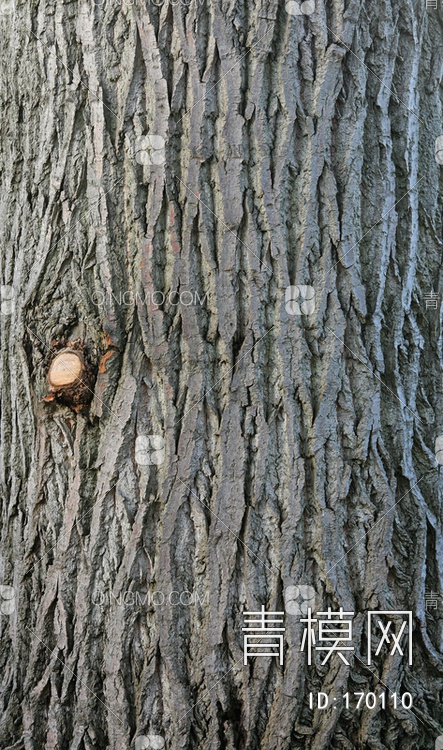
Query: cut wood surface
66,369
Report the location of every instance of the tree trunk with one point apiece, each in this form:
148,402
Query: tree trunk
168,171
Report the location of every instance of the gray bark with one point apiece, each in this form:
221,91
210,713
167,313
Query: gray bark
298,449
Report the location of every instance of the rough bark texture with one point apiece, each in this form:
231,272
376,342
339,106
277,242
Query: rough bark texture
298,449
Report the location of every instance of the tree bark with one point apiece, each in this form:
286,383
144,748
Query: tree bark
232,449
